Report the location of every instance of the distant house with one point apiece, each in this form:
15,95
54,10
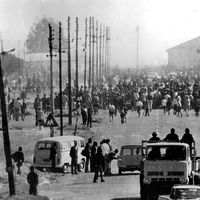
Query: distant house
186,54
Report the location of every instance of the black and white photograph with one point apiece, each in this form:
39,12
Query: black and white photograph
99,99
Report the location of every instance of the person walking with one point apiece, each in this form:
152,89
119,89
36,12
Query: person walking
32,179
139,106
111,109
18,157
99,165
74,158
40,118
172,136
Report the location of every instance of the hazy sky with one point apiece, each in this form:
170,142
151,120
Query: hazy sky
162,23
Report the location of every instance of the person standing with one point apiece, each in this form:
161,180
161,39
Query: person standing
99,164
172,136
89,117
154,137
84,114
32,179
18,157
74,158
53,154
23,109
93,154
187,138
88,154
164,104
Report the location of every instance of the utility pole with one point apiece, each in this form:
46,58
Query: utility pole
6,139
97,71
103,51
137,46
108,53
85,63
69,76
89,78
77,86
60,79
100,69
93,41
51,74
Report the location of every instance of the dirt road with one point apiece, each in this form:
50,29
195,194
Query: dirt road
125,186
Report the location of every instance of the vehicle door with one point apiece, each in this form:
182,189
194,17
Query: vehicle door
126,156
43,153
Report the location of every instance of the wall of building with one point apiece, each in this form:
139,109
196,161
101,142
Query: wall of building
185,55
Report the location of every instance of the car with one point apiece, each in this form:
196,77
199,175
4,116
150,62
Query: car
182,192
130,158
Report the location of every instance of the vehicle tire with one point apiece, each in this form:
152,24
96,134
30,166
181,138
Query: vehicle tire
81,166
120,171
65,168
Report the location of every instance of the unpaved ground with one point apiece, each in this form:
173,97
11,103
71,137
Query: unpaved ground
126,186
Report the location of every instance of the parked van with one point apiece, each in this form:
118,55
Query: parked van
63,145
130,158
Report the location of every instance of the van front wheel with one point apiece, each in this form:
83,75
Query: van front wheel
65,168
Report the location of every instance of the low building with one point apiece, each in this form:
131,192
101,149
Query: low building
186,54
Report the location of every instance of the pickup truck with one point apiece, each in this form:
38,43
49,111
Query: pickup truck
182,192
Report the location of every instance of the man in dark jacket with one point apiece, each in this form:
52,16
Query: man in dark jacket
18,157
99,165
74,156
188,138
32,179
171,137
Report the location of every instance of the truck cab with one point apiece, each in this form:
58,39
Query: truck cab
165,164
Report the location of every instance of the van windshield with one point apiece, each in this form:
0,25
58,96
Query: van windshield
166,153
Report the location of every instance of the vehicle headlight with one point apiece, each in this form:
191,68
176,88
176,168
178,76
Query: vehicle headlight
147,180
184,180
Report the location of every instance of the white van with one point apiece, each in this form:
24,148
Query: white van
63,160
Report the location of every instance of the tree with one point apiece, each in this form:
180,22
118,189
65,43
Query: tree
37,40
11,64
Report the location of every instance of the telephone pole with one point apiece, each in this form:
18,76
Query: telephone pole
100,69
137,46
97,70
85,62
89,78
77,86
6,139
93,41
51,73
103,51
69,76
60,79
